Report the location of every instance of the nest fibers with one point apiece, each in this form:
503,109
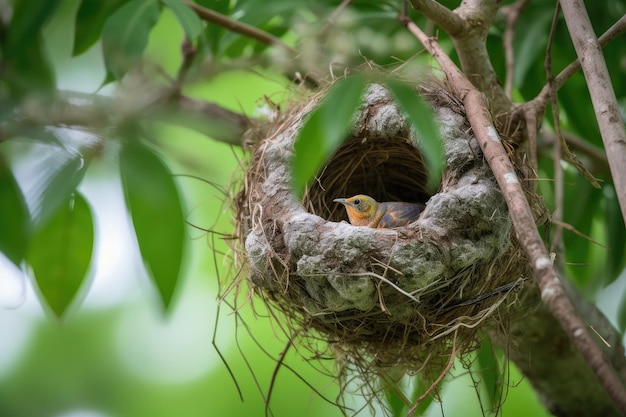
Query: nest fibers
402,297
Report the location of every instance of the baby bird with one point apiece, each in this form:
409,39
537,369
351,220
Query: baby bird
363,210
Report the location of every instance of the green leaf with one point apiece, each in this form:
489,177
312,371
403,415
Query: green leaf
393,400
61,185
575,104
421,385
213,32
188,19
154,203
28,71
25,66
15,225
29,16
581,203
90,20
616,236
60,254
424,123
272,16
325,130
531,39
490,373
125,35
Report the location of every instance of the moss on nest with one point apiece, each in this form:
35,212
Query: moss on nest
389,297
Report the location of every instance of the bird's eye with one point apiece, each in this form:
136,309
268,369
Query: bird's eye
357,201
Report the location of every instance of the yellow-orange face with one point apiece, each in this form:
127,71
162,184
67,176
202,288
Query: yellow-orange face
361,209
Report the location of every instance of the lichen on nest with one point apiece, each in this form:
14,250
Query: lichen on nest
385,296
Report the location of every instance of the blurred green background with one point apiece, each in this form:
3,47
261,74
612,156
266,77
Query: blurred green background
117,355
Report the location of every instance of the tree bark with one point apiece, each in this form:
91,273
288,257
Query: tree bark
545,355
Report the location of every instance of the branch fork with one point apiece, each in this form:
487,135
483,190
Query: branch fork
552,290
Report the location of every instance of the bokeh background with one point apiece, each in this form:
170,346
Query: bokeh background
117,354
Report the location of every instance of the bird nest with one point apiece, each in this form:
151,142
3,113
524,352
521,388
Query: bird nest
384,297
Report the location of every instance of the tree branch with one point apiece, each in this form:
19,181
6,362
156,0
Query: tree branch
512,12
603,98
541,100
556,369
530,136
559,145
241,28
253,33
207,118
560,148
212,120
471,48
468,26
538,104
552,292
443,17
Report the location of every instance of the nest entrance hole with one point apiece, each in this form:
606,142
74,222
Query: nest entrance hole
385,168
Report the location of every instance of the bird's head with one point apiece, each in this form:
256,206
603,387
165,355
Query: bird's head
361,209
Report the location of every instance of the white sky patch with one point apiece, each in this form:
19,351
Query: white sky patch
82,413
19,310
12,284
114,259
172,349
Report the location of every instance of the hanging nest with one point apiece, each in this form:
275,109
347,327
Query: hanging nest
403,297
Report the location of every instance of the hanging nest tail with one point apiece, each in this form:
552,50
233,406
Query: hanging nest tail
387,297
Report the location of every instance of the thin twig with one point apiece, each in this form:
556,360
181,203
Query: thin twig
572,229
614,31
379,277
539,103
331,19
252,33
241,28
437,381
599,161
512,12
530,135
552,292
188,51
279,364
219,352
561,150
559,194
240,322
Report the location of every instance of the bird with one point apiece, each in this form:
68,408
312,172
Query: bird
363,210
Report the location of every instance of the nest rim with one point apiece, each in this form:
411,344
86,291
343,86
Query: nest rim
459,322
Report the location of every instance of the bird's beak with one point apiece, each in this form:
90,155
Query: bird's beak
339,200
